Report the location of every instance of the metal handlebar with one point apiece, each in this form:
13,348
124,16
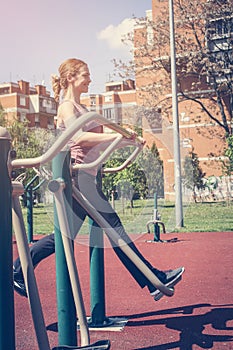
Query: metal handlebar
102,157
124,165
58,145
62,141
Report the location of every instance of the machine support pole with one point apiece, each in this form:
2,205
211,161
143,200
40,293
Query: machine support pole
67,323
7,319
29,195
156,225
97,282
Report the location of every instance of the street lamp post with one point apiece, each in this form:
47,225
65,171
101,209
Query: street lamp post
176,135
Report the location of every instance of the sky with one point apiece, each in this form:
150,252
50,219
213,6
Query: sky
36,36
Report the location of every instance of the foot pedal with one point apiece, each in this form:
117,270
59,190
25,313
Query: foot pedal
99,345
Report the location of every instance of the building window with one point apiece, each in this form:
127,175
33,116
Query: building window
108,98
47,103
93,101
109,113
22,117
4,91
223,26
219,43
22,101
184,118
186,143
219,28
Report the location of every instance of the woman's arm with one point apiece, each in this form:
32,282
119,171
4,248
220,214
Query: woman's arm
89,138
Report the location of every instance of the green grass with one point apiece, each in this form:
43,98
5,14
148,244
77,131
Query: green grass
216,216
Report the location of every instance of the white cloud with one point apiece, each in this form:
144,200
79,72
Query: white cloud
113,35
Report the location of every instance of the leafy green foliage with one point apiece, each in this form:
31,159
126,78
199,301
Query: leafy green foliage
228,165
27,142
152,166
3,119
142,178
193,174
127,181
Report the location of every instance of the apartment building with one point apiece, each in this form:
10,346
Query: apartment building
117,103
35,104
197,131
27,103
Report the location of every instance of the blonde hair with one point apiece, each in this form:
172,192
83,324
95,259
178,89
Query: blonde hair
72,66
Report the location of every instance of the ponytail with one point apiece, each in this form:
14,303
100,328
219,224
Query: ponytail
56,85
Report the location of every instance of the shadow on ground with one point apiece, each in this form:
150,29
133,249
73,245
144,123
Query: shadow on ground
189,326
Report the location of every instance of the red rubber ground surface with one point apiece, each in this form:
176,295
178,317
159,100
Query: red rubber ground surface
198,316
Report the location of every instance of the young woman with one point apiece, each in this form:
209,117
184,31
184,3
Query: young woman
73,80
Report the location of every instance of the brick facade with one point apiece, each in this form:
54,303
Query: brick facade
117,103
24,102
197,131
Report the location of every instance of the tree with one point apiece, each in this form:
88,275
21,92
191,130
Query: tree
204,42
209,31
228,164
142,178
27,142
149,160
3,119
193,175
129,181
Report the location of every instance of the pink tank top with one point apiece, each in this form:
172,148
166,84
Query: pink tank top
80,154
